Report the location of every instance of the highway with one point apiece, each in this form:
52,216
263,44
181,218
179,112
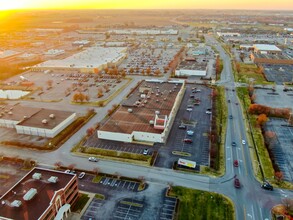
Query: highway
251,201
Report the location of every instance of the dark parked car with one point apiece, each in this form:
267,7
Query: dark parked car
233,144
267,185
237,183
235,163
188,141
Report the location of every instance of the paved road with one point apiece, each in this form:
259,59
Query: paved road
251,201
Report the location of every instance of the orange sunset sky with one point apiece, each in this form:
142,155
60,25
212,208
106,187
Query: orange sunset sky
149,4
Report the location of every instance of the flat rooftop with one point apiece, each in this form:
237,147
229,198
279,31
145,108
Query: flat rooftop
34,208
89,58
52,117
266,47
273,56
16,112
192,65
146,99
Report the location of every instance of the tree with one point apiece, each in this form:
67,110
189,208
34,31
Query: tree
262,119
270,138
179,39
279,176
131,70
157,72
148,71
96,170
72,166
288,204
50,83
58,164
238,68
90,131
75,97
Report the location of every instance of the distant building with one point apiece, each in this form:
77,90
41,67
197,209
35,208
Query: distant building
40,195
81,43
35,121
86,61
228,34
54,52
266,49
144,31
271,59
9,55
147,114
191,68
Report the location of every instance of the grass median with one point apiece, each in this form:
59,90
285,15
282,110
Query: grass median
196,204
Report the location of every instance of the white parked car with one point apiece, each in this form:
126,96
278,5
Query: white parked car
243,142
145,151
189,109
81,175
93,159
190,132
208,112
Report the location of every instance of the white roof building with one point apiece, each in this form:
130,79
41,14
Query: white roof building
87,60
266,48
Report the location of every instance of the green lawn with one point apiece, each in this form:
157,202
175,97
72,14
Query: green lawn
201,205
250,72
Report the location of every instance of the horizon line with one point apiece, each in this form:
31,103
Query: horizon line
144,9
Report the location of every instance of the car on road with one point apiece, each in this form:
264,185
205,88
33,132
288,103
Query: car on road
145,151
189,109
229,100
190,132
67,171
93,159
266,185
237,183
187,140
235,163
236,103
208,112
230,116
81,175
233,144
243,142
182,126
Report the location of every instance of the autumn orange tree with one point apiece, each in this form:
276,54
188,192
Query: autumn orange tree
262,119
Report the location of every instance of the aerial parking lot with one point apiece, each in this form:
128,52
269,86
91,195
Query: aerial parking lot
281,145
117,201
59,88
195,115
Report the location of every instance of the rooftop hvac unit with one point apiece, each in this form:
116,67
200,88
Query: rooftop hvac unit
157,112
157,100
24,117
16,203
37,176
53,179
9,113
44,121
30,194
151,122
52,116
130,110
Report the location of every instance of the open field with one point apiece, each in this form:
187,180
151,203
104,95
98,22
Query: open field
196,204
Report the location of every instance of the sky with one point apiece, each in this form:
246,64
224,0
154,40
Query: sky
147,4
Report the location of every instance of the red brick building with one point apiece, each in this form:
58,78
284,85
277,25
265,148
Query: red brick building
41,194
